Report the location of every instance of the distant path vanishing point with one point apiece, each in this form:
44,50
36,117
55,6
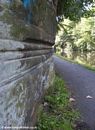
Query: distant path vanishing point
81,82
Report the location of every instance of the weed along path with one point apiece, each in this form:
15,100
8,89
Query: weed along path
81,82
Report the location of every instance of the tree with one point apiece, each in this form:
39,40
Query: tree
78,35
74,9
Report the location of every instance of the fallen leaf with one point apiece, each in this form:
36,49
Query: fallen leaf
89,97
72,100
45,104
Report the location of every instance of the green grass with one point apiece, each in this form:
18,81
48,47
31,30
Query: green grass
58,114
76,62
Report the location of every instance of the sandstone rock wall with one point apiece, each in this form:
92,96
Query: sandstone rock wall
27,33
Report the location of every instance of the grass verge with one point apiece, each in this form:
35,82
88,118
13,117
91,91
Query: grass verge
57,112
84,65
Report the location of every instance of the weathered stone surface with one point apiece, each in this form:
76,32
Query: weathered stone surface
26,70
21,86
27,33
20,20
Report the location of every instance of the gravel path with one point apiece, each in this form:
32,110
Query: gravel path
81,82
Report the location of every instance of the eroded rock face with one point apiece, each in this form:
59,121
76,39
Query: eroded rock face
27,33
23,19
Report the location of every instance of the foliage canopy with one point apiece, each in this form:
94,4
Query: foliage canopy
74,9
80,36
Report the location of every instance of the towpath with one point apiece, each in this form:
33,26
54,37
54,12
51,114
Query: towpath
81,82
